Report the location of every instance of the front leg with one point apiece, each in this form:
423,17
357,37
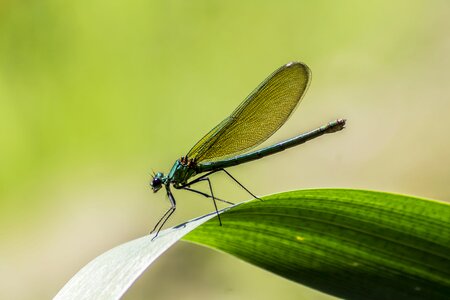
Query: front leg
167,214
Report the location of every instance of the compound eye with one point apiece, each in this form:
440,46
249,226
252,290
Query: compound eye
156,182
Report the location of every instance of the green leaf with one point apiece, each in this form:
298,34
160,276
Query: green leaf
348,243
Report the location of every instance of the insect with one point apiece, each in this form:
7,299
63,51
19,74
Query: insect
228,144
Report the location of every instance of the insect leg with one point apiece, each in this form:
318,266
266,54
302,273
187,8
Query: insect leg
206,195
240,184
218,170
166,215
214,198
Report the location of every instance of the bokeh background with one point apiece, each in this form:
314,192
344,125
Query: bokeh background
94,95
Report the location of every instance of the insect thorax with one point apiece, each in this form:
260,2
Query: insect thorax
183,169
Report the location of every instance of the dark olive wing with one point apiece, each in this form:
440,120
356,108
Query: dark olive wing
262,113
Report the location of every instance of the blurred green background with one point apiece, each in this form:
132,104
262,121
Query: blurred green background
94,95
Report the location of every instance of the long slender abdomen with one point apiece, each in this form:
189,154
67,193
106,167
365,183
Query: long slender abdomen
331,127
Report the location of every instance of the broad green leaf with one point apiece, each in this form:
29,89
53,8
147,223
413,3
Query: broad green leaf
348,243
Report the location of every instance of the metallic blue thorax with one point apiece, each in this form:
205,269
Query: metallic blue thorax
180,173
